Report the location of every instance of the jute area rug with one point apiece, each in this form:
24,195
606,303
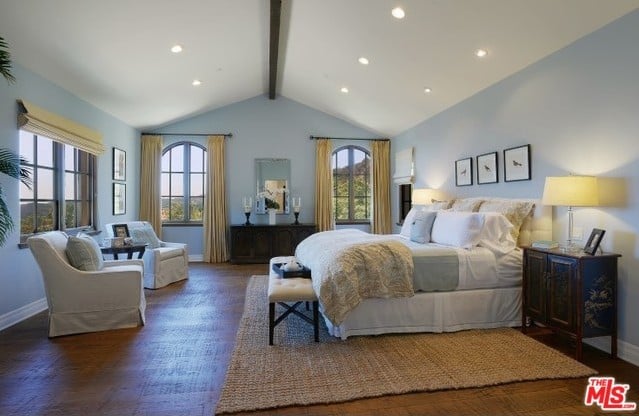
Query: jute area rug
298,371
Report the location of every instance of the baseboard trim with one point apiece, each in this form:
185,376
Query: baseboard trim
27,311
196,258
625,350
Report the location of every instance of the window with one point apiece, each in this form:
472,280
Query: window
62,195
351,184
405,200
183,183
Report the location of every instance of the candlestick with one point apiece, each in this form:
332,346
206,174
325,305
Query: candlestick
248,214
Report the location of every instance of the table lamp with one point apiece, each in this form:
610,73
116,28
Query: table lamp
571,191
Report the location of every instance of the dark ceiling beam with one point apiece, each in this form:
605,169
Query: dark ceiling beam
274,43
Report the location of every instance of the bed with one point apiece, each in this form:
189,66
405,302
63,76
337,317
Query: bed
486,292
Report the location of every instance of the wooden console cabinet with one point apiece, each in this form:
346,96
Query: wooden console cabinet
573,293
258,243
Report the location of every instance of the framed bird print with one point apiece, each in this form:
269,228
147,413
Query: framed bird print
487,168
464,172
517,164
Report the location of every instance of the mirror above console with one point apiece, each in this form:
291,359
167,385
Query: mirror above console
272,177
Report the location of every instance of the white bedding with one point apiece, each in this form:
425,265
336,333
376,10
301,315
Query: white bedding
461,309
479,267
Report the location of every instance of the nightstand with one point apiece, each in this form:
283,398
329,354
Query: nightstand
572,293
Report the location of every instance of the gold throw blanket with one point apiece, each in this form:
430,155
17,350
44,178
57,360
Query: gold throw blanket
350,265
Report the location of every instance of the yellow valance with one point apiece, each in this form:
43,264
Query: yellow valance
42,122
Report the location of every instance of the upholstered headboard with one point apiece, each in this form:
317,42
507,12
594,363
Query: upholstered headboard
536,226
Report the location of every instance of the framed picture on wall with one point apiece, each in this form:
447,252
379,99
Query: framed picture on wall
517,164
487,168
119,198
119,164
464,172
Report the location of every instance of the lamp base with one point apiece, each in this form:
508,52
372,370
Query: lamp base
570,247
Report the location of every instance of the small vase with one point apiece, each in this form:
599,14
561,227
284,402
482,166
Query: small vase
272,216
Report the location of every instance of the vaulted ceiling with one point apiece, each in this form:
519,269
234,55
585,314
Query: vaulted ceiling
116,54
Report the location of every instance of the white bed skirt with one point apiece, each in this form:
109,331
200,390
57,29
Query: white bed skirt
433,312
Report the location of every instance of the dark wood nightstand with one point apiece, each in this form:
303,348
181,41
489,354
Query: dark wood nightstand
573,293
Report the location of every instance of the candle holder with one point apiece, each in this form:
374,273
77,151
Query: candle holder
247,202
297,214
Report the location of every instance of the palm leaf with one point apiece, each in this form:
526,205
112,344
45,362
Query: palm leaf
10,164
6,223
5,61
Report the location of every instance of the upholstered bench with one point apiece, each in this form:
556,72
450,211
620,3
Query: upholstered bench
295,290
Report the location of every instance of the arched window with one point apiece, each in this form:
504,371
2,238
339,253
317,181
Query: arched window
351,184
183,182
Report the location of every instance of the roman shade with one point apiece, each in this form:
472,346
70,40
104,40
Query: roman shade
42,122
404,167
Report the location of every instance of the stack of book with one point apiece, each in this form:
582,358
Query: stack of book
547,244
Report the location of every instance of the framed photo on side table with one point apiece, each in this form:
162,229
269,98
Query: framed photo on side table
464,172
487,168
121,230
119,198
517,164
594,240
119,164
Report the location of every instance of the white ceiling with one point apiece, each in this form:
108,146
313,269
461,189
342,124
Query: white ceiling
115,54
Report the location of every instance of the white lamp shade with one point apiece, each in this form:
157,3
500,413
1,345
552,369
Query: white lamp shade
571,191
423,196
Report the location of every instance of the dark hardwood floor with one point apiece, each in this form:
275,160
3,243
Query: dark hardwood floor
175,365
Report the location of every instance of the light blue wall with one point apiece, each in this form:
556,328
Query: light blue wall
20,279
579,111
263,128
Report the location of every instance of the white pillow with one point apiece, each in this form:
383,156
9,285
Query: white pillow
422,225
408,222
84,253
496,235
457,229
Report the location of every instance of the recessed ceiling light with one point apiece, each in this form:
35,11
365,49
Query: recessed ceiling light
196,82
398,13
344,90
363,61
176,48
427,90
481,53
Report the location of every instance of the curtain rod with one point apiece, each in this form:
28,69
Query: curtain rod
188,134
349,138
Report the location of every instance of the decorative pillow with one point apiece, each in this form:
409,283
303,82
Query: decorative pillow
422,224
84,253
145,235
496,234
515,211
438,205
408,222
467,204
457,229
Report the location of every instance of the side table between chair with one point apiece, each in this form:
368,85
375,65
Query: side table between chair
129,250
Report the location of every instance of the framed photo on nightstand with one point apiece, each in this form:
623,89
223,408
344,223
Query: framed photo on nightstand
594,240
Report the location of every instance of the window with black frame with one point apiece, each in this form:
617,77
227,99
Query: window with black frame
62,194
351,185
405,200
183,183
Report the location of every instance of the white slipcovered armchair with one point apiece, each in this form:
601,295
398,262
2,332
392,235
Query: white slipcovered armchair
164,262
87,301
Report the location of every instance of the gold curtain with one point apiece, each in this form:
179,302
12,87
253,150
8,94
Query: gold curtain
323,186
150,189
381,187
215,218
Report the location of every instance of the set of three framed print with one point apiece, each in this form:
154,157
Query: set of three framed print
516,167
